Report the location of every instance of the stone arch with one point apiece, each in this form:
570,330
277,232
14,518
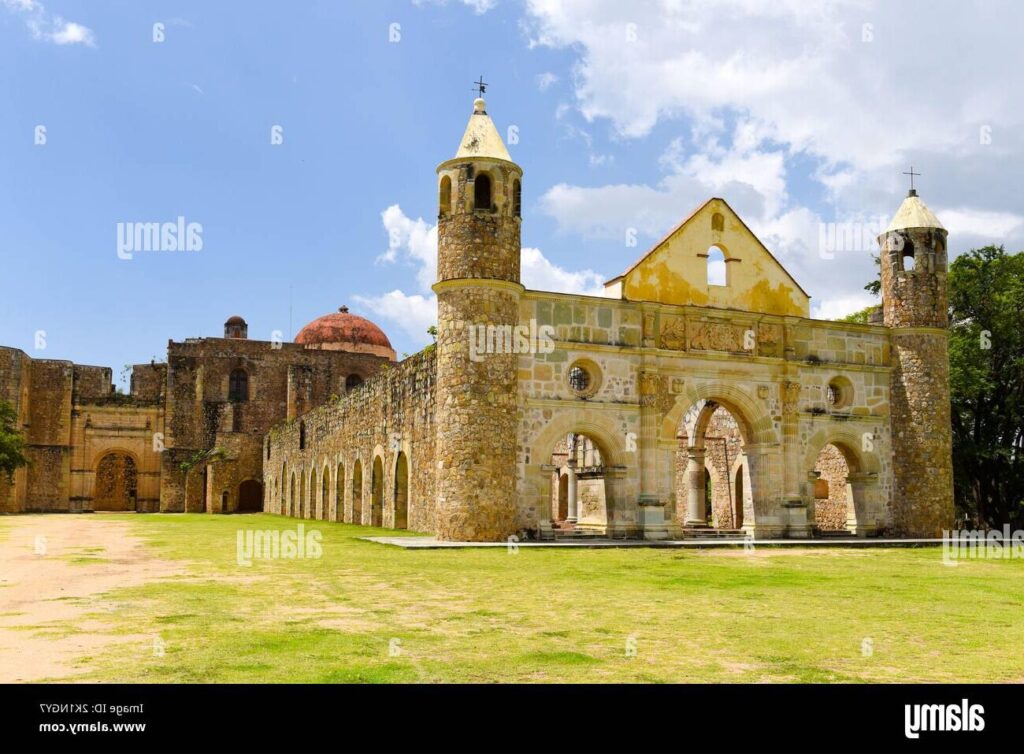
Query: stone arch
357,491
483,191
339,491
862,474
312,493
283,492
848,441
250,496
116,481
325,493
290,510
377,491
445,199
755,423
756,430
607,433
717,269
401,491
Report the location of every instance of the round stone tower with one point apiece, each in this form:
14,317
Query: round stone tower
478,291
914,302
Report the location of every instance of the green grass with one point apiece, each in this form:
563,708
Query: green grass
369,613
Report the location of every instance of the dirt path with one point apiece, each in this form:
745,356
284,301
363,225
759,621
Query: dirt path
53,572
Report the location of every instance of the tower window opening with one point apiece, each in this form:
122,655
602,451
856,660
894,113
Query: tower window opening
517,198
482,192
717,274
302,435
908,260
446,195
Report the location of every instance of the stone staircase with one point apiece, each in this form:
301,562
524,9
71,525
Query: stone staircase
564,531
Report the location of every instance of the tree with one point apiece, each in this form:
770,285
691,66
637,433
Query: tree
986,357
12,444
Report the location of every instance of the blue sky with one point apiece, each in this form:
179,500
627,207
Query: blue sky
628,116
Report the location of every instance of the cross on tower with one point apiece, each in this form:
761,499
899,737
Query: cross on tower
913,191
481,87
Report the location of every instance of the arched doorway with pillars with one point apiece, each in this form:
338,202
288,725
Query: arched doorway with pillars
579,495
712,477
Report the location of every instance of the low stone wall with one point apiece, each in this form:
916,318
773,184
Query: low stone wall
390,414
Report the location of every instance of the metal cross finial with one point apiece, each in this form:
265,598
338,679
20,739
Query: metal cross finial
913,192
481,86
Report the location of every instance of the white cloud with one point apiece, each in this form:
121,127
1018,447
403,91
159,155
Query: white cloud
973,222
49,27
479,6
540,274
412,313
546,80
414,242
840,306
793,111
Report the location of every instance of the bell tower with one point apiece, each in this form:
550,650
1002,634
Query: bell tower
478,292
915,308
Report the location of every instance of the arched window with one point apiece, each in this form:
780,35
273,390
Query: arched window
302,435
446,195
716,267
238,385
352,382
482,192
517,198
908,256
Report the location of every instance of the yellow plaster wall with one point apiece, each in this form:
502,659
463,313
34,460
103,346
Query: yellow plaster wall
675,272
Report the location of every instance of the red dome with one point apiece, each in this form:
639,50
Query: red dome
344,331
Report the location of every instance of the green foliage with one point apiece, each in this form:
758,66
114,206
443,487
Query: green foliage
12,443
986,355
875,286
211,455
861,317
432,332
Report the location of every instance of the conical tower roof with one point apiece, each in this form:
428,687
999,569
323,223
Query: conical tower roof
913,213
481,138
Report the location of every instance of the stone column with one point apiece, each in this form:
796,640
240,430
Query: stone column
572,515
861,519
695,515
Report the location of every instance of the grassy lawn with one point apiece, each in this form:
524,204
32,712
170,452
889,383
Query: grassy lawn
370,613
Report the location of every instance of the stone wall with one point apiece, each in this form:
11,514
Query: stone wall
391,413
284,380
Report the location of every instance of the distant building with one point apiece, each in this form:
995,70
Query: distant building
189,435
